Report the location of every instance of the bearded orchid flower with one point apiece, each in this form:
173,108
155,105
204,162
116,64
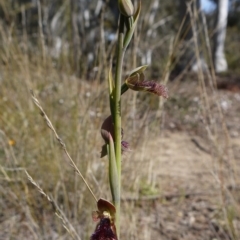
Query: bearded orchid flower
137,83
105,229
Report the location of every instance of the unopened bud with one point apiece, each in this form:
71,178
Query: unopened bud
126,7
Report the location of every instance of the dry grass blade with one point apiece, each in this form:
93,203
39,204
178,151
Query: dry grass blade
66,224
49,124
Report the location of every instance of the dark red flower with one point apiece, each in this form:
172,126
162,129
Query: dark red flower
104,231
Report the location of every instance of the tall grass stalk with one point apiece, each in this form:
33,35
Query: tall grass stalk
212,131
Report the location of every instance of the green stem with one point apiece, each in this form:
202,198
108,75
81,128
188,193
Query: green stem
117,116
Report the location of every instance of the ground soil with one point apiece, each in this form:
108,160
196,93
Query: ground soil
190,205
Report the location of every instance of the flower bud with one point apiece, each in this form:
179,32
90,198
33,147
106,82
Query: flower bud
107,130
126,7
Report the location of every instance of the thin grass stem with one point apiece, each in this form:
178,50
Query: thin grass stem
49,124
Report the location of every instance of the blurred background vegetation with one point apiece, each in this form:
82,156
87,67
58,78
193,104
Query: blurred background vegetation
61,50
78,36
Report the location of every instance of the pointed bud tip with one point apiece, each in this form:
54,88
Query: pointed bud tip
126,7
